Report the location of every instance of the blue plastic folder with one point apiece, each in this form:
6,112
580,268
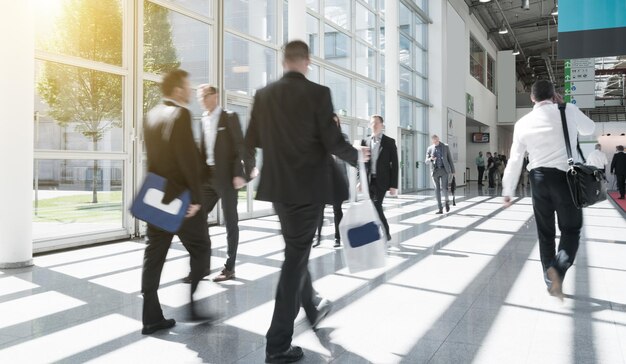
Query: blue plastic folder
148,205
363,235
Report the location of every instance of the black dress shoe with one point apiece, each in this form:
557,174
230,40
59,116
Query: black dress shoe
188,278
439,212
322,311
447,207
291,355
163,324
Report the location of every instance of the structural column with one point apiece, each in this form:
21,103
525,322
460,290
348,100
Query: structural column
17,73
392,69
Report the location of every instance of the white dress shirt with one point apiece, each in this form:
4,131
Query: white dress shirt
598,159
540,133
209,128
375,152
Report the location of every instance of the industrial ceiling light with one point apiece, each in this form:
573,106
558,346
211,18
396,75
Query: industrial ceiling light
555,10
503,29
526,4
485,1
516,52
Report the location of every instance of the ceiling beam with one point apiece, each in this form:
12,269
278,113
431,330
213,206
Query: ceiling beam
523,23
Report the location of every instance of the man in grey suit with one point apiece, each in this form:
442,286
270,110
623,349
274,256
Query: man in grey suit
441,166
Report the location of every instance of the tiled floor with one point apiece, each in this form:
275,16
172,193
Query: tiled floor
465,287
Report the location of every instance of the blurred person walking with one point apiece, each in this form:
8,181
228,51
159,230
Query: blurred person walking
442,168
382,169
618,168
480,165
222,150
172,154
597,158
541,134
292,121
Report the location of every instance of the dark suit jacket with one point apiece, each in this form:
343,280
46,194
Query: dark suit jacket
387,163
292,121
171,150
228,150
618,164
448,162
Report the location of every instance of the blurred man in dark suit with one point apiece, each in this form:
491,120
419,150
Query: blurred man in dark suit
618,168
292,121
382,169
223,172
173,154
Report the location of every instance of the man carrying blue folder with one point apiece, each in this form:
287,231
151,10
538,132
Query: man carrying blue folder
173,154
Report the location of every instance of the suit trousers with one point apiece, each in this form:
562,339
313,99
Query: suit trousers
338,215
213,192
377,194
491,174
550,194
440,177
621,184
194,234
295,289
481,173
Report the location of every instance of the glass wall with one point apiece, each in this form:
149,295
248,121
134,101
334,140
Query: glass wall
413,100
87,120
99,64
349,58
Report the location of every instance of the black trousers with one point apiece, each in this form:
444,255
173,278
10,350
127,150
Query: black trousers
338,215
213,192
491,174
481,173
194,234
377,195
621,184
295,289
550,194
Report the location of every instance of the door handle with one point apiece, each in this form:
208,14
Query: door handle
417,164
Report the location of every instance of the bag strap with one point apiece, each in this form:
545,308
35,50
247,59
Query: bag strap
362,175
580,151
568,147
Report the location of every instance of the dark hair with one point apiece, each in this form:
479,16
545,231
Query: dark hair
620,148
543,90
173,79
296,50
382,121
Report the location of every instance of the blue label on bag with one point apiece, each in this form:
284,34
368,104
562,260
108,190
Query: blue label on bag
363,235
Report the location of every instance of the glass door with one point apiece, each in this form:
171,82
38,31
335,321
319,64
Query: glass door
423,170
247,206
408,163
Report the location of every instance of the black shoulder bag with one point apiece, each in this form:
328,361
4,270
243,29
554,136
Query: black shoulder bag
587,184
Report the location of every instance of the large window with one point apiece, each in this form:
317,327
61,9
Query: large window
341,91
256,18
88,105
247,65
412,52
491,74
477,60
337,46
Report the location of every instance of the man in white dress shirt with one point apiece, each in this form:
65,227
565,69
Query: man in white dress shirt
223,172
541,134
597,158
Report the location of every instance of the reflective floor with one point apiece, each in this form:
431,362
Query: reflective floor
463,287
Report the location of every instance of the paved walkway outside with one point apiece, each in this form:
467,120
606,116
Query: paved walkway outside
465,287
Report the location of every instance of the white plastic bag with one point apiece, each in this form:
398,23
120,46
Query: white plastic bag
361,231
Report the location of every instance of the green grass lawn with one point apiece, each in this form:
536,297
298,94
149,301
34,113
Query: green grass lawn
78,208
